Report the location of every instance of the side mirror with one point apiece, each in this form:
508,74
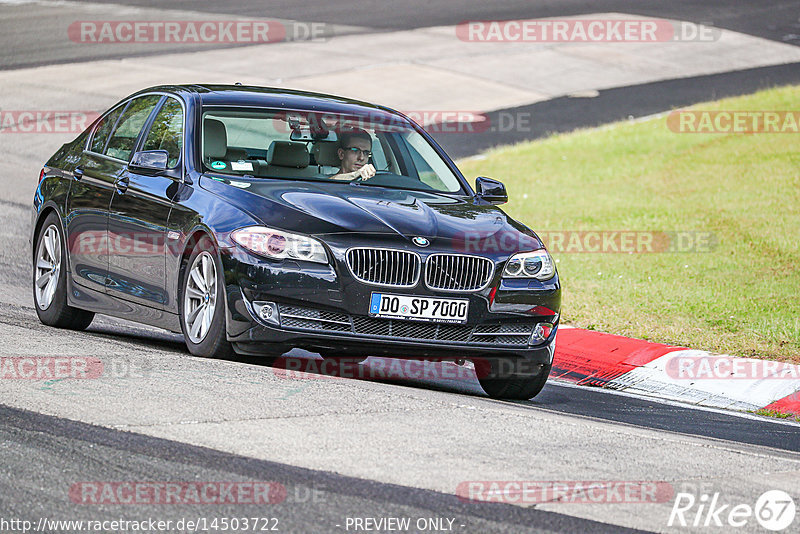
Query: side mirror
150,161
490,190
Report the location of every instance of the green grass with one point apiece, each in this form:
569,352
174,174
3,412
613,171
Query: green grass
777,414
742,297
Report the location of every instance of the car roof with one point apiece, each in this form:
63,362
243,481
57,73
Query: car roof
272,97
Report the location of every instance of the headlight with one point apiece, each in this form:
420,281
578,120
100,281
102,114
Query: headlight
537,264
280,245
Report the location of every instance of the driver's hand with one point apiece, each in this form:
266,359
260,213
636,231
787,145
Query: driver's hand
365,173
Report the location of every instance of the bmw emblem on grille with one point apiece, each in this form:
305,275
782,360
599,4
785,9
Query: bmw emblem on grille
421,241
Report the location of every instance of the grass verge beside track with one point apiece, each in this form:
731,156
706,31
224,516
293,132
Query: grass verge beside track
740,297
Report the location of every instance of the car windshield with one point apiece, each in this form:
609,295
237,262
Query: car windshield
306,146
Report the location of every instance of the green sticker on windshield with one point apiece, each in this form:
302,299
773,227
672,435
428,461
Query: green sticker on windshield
218,165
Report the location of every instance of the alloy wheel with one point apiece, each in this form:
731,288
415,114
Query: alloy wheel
48,266
200,300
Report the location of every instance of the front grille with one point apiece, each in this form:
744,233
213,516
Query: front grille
395,268
371,326
507,334
455,272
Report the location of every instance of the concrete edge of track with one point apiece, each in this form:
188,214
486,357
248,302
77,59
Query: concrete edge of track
590,358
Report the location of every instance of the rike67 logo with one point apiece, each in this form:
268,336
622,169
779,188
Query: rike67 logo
774,510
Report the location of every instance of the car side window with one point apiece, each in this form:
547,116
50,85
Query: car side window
130,124
166,133
103,129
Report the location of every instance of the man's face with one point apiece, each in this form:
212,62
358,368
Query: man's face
352,160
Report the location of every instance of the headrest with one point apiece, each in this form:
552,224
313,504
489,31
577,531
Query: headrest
327,153
215,139
288,154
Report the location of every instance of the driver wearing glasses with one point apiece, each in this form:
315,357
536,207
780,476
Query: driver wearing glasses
355,149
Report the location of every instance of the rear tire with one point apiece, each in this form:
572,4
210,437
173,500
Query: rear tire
50,279
515,387
202,303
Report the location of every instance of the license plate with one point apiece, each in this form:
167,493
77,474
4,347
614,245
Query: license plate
430,309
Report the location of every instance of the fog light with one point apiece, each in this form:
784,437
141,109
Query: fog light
541,333
266,311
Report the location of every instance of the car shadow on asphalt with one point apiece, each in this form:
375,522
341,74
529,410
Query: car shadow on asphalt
303,365
152,339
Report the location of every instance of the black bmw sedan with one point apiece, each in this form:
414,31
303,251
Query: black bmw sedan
254,220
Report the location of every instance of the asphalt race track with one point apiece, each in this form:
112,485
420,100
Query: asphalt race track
773,20
344,449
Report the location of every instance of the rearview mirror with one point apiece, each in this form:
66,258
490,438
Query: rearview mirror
150,160
490,190
310,134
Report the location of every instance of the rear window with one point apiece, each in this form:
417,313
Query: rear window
103,129
130,124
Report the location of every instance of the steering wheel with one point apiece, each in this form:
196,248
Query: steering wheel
377,173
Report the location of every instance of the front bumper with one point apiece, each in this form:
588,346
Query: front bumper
324,309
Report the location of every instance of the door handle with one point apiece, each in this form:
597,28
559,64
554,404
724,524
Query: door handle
77,173
122,183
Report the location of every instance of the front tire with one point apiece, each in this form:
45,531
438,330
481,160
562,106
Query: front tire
501,385
50,279
203,303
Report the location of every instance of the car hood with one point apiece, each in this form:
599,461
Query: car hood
344,208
